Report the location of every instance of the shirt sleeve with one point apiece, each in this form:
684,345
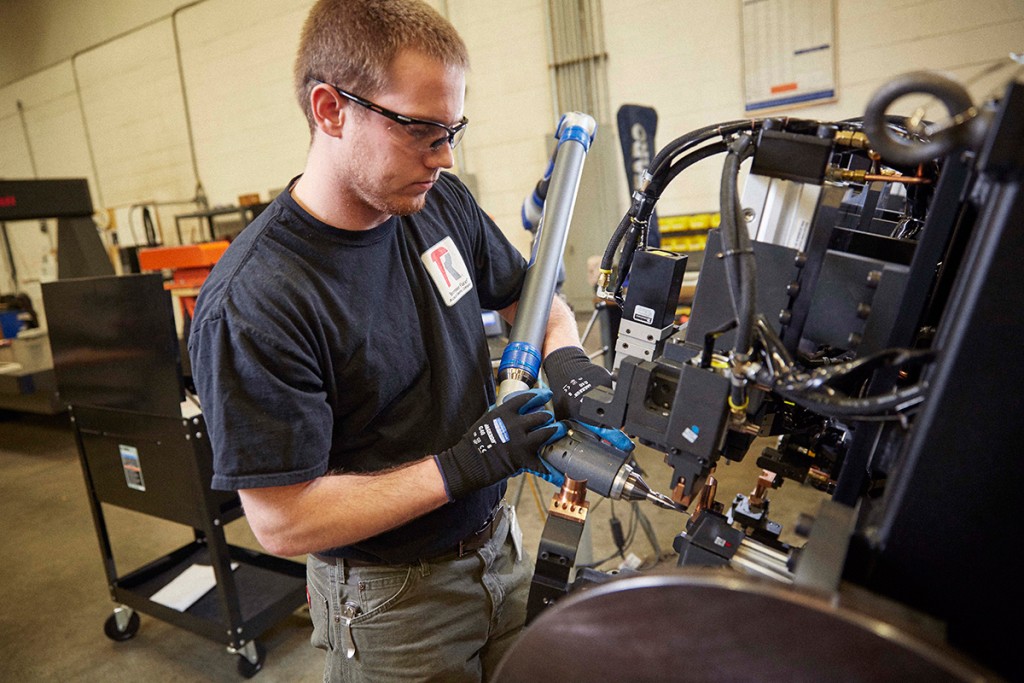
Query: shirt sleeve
269,422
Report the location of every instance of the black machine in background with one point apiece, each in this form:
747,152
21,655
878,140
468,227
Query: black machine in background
143,447
81,252
865,311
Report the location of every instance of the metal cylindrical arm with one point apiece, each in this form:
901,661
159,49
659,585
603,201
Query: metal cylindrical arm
520,363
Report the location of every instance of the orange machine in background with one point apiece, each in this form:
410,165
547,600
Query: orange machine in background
189,265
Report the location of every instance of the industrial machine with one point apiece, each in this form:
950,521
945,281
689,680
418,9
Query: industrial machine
860,305
31,386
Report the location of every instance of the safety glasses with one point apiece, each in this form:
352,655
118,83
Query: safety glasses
419,134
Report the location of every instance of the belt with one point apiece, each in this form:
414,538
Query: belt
478,539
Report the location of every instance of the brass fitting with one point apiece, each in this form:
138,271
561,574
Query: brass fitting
705,499
849,138
759,496
603,278
836,174
845,175
571,501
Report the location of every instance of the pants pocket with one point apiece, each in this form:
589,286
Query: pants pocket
320,615
380,588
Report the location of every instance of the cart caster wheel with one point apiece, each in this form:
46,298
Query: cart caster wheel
247,669
114,633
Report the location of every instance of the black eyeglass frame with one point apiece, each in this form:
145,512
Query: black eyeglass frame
450,131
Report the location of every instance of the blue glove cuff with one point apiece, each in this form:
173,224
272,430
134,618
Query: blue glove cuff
615,437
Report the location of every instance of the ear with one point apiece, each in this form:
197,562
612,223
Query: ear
328,109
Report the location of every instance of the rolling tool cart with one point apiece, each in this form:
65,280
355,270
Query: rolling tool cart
117,361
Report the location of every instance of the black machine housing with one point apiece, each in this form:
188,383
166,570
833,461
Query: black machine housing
883,355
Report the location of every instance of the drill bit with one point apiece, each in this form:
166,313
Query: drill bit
661,500
636,488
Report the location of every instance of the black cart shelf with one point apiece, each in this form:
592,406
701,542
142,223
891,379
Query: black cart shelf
159,466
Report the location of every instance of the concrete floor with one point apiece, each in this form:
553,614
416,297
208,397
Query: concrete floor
53,583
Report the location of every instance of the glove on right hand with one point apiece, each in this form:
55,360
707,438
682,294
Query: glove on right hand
505,440
571,374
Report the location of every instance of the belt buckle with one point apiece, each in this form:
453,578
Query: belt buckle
486,528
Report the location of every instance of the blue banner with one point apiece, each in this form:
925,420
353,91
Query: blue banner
637,125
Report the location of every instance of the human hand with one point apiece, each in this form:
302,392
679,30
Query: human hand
504,441
571,374
616,437
546,471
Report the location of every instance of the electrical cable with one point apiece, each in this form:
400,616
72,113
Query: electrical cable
738,253
627,542
10,257
131,226
148,227
634,225
814,393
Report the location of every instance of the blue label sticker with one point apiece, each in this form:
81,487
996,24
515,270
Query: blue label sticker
499,424
132,467
691,433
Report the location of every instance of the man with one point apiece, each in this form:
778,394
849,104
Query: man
339,354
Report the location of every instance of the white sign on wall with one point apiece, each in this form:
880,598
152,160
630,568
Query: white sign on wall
788,53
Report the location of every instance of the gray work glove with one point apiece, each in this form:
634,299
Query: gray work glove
506,440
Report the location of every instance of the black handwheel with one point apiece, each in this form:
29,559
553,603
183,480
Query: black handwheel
246,668
114,633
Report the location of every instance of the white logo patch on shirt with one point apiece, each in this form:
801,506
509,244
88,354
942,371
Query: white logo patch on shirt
448,270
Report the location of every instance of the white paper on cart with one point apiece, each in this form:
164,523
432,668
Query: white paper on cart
188,587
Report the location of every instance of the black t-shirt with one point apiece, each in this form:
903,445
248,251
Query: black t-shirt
316,350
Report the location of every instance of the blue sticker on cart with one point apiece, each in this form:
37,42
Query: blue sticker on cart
132,467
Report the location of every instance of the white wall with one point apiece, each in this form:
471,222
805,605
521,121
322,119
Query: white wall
688,64
103,75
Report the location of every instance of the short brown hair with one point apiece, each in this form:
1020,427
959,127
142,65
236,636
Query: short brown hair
351,44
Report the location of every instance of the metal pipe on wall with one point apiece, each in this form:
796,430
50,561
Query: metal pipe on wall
184,96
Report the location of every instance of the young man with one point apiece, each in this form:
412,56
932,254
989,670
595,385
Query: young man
339,354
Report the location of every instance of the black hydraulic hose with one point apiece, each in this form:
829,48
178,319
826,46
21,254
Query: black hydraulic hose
887,358
812,391
737,251
639,215
688,140
690,159
629,247
778,356
848,407
661,171
609,251
709,342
